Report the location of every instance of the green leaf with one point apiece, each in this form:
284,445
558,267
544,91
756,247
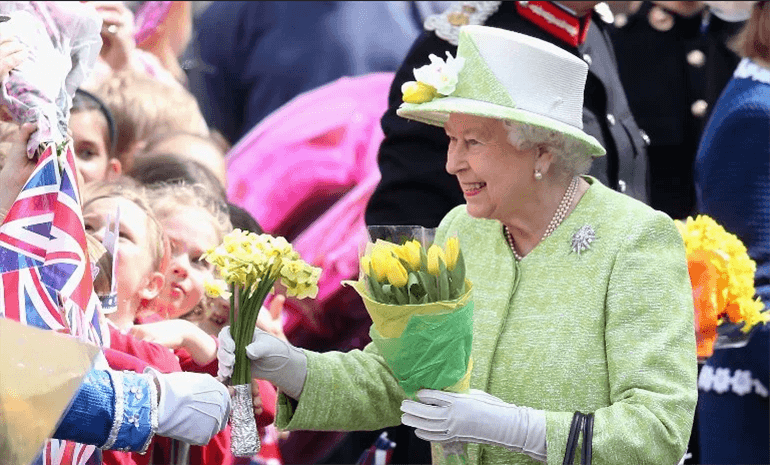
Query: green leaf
415,287
443,281
457,278
423,260
375,288
428,282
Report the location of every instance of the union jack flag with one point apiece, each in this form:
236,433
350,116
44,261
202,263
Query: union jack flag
45,273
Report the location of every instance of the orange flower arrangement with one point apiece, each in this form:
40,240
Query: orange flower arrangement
722,277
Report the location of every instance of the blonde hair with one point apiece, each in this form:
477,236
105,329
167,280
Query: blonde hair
128,189
168,199
753,40
569,155
144,107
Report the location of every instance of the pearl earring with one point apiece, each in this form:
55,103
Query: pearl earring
538,175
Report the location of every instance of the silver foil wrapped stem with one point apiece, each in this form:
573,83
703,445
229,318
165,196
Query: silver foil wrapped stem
244,437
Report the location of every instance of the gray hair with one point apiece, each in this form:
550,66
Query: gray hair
569,155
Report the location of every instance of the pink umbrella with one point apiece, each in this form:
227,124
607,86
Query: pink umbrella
306,172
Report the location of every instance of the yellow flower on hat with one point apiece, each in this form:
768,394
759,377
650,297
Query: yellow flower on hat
418,92
439,78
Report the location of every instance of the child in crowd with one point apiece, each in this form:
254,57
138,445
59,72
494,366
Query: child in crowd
194,221
206,150
143,108
94,135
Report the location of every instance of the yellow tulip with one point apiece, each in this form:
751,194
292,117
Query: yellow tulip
379,259
365,263
397,275
452,252
410,253
435,253
418,92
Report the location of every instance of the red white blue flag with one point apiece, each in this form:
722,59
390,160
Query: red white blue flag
45,273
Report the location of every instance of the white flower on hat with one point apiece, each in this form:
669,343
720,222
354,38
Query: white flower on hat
437,78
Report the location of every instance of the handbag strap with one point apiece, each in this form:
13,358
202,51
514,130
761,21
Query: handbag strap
572,439
588,438
584,422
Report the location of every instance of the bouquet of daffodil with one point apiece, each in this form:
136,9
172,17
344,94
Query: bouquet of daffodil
249,265
722,276
422,313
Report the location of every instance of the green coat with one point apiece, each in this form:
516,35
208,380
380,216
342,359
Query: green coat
609,331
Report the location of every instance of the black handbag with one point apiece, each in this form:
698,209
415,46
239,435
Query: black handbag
585,423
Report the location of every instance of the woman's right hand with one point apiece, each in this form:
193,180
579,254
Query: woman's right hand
272,359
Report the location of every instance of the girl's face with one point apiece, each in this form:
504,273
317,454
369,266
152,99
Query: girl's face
191,232
137,278
91,138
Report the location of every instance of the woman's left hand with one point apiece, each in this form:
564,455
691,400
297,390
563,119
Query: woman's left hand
476,417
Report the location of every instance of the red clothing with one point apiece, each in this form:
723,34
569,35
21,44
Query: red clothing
156,355
122,361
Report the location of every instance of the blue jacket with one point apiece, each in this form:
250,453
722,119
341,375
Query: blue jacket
732,175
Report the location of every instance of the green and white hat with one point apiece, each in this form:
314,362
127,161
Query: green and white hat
504,75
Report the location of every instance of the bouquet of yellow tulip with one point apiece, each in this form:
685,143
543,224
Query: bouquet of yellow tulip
722,276
422,313
249,265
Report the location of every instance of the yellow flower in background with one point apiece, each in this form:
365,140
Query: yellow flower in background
396,273
217,288
410,254
452,252
735,266
435,253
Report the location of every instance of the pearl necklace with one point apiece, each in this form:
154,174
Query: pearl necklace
558,217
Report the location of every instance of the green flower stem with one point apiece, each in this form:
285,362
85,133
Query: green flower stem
248,311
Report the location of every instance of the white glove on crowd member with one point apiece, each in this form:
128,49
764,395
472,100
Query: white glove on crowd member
476,417
193,407
272,359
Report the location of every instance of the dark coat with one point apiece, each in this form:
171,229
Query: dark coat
416,189
673,75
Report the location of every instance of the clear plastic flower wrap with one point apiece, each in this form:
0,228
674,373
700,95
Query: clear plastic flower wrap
62,40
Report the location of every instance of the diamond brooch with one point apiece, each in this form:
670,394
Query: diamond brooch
582,239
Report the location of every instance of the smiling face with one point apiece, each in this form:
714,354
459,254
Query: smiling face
91,140
137,278
191,231
494,176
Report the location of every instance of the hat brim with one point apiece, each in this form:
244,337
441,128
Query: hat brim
436,113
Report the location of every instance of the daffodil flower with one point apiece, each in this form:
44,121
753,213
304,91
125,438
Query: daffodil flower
217,288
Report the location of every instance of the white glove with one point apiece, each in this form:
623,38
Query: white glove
476,417
193,407
272,359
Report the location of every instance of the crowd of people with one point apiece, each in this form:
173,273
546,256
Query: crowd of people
569,138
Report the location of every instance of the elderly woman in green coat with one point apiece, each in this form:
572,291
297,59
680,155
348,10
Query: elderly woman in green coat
582,296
